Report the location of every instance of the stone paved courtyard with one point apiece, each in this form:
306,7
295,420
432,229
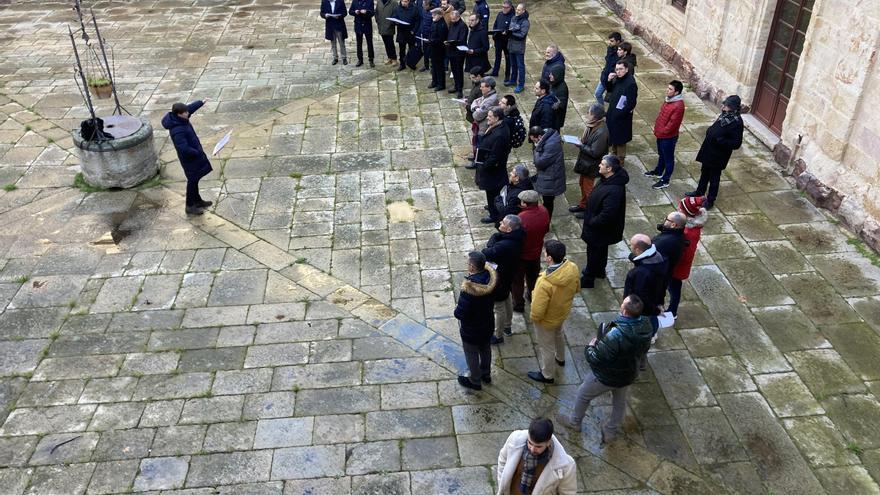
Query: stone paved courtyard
299,339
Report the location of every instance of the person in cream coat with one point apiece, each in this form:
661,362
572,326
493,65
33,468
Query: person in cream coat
534,462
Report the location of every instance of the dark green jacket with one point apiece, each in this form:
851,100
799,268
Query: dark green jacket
615,357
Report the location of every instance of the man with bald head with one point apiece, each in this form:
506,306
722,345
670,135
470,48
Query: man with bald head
648,277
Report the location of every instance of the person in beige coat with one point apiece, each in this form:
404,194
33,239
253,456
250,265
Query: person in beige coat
533,461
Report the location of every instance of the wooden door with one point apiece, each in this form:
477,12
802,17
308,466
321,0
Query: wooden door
781,59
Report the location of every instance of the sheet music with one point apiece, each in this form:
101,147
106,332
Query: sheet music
221,143
665,319
568,138
462,48
395,19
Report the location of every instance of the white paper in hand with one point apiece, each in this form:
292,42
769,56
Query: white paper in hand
462,48
568,138
666,319
398,21
221,143
621,103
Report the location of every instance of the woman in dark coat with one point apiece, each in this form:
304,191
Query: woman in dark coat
334,27
408,13
362,11
189,151
491,161
550,163
476,318
722,137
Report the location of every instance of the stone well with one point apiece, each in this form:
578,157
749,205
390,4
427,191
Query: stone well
125,161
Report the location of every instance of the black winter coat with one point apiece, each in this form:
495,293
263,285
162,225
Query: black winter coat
559,88
478,41
501,24
439,33
189,149
720,142
332,24
504,249
620,120
614,360
543,115
670,243
508,203
550,164
606,211
558,60
610,61
410,14
363,23
458,34
475,308
492,173
648,280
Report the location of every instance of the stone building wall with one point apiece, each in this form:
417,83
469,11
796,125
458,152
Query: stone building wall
832,128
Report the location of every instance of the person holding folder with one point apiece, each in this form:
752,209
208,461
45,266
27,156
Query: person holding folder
333,12
408,20
458,33
362,11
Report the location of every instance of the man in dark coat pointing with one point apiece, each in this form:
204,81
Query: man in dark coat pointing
189,151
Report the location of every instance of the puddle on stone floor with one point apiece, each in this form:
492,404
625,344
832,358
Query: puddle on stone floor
400,211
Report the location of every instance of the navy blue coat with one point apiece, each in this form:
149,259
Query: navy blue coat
492,173
413,17
189,149
481,8
504,249
427,19
363,23
620,120
543,114
610,61
478,41
648,279
332,24
458,33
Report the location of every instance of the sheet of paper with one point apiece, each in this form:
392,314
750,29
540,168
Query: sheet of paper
621,103
398,21
460,100
332,15
568,138
423,39
463,48
221,143
666,320
493,265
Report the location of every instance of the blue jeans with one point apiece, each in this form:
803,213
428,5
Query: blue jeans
600,92
518,69
666,158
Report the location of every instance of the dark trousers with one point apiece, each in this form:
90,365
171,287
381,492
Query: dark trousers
674,296
711,177
426,50
402,47
192,192
438,73
479,361
388,41
501,50
360,47
456,64
526,276
491,194
666,157
597,259
548,203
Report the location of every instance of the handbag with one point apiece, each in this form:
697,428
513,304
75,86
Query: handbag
413,56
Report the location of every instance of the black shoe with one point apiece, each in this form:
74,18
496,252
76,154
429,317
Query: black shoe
693,194
493,74
576,208
345,61
452,90
424,69
360,63
537,376
432,86
459,94
708,204
652,173
487,220
579,214
560,363
485,207
660,184
508,331
588,282
194,210
335,61
372,64
203,204
496,340
510,84
486,379
466,383
401,68
519,309
440,88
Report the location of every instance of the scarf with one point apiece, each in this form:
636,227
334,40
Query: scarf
591,125
678,97
727,118
530,465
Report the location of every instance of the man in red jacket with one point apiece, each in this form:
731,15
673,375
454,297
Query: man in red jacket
536,222
666,131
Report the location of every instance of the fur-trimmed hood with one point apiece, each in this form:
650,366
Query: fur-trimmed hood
473,285
699,220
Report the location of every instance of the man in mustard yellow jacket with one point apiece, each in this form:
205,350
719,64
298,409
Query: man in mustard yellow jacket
551,303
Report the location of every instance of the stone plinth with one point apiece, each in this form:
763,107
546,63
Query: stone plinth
123,162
